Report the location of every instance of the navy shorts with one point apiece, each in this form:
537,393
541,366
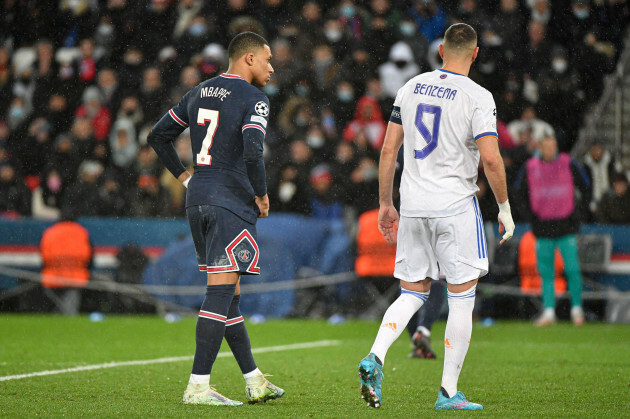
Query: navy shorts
224,242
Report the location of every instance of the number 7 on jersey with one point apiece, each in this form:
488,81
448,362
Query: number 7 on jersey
207,115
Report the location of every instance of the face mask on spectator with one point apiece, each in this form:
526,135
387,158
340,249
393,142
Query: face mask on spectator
333,35
300,121
407,28
197,29
271,89
348,10
559,65
581,13
301,90
345,95
400,64
286,191
16,112
105,29
315,141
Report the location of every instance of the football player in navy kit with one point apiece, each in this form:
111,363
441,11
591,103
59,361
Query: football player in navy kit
227,117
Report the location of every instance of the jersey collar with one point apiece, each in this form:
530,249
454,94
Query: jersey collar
231,76
451,72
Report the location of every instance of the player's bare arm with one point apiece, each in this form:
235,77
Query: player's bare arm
387,214
495,172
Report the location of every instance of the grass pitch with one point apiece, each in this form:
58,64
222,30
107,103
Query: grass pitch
512,368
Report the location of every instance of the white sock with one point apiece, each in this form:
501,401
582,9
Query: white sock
457,336
252,376
395,320
549,313
199,379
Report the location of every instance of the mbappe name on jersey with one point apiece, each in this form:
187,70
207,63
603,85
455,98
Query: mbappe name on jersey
217,92
435,91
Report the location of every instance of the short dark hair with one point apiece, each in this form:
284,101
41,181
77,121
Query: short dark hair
245,42
460,36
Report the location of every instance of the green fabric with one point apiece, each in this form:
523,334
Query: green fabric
545,248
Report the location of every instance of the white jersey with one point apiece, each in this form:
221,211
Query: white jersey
443,114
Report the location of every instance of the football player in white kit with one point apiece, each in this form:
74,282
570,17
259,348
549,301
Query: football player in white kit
446,122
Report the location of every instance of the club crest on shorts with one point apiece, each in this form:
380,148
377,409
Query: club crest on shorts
262,108
244,255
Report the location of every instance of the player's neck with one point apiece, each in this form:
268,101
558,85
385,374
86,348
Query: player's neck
236,71
458,68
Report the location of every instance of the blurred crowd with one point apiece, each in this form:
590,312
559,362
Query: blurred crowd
83,81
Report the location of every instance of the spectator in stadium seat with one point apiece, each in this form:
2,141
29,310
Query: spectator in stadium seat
354,19
130,71
35,148
45,73
152,95
187,10
509,24
86,66
364,180
529,125
130,109
157,22
383,27
189,78
123,144
600,166
150,199
82,139
112,199
546,191
535,55
342,103
108,85
369,120
63,159
81,199
197,36
429,17
325,200
58,114
47,196
212,61
325,69
614,207
15,197
98,115
398,70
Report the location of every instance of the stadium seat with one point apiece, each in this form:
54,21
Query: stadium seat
594,252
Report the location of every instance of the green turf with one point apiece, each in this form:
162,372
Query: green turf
512,368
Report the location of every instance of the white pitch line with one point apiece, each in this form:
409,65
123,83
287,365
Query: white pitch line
278,348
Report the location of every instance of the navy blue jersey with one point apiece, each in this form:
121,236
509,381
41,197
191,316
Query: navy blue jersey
220,112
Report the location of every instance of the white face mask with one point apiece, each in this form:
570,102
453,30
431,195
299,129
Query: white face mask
315,141
559,65
286,191
333,35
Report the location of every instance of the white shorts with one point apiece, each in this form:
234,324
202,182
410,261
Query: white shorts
454,246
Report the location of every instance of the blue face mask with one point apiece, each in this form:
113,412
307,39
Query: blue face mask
302,91
16,112
407,29
197,29
345,95
271,89
348,10
581,13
